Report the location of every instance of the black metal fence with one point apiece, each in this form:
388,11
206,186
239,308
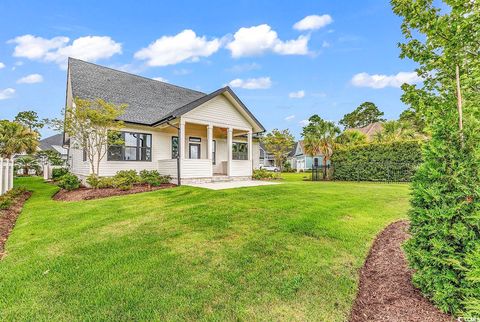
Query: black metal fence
391,171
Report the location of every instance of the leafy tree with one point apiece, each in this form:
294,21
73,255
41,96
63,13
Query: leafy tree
351,138
16,138
26,163
279,143
445,228
367,113
322,135
414,120
53,157
395,131
92,126
30,120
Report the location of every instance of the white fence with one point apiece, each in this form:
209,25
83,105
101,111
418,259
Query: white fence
6,175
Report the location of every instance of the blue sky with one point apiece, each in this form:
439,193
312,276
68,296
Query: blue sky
286,60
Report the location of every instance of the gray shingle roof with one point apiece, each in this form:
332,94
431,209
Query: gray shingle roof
148,100
47,143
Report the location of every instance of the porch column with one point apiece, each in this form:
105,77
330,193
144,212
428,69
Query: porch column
209,141
250,145
181,140
229,150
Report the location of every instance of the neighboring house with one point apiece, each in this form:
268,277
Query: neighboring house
370,130
266,159
215,130
54,143
300,161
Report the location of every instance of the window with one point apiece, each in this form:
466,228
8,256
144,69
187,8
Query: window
315,162
135,147
214,152
84,151
194,151
239,151
174,147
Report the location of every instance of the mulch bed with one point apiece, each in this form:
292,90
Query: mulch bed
8,218
88,193
386,292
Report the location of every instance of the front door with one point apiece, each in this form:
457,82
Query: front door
194,151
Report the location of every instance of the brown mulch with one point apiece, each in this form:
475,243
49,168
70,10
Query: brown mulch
8,218
89,194
386,292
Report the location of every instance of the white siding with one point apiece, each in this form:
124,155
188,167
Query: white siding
241,168
256,155
219,110
168,167
196,168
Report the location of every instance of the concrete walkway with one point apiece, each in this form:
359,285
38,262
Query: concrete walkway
231,184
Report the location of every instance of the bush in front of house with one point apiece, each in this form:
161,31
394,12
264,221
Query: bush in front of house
57,173
69,182
396,161
125,179
7,199
93,180
262,174
105,182
153,178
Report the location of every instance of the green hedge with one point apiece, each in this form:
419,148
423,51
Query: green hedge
391,162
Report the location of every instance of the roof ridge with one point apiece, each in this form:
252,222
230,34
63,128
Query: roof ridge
131,74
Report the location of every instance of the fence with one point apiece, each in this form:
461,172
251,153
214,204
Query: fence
6,175
378,171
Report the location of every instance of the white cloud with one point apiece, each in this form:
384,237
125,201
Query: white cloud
289,118
2,65
252,83
313,22
259,39
89,48
161,79
381,81
304,122
170,50
31,79
6,93
182,71
325,44
299,94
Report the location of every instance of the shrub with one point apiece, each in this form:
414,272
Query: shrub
153,178
105,182
57,173
93,180
125,179
262,174
9,197
69,182
396,161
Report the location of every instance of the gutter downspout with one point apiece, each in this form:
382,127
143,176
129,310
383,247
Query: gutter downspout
179,181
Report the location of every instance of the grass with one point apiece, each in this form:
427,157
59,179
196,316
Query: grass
282,252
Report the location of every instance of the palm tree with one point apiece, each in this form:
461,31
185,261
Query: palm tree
26,163
16,138
395,131
351,138
321,136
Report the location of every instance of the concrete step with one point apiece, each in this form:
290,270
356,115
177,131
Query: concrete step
221,179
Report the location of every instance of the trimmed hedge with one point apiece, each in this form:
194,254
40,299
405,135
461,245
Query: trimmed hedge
390,162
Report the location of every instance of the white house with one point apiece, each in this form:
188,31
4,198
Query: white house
211,133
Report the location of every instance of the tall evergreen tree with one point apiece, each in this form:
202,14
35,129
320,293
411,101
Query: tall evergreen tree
367,113
445,215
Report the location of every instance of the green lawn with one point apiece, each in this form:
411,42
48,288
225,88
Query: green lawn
283,252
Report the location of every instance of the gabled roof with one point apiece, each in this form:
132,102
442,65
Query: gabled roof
370,130
149,102
54,142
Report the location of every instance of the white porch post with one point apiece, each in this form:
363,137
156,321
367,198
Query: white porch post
2,177
209,141
250,145
229,149
10,175
181,140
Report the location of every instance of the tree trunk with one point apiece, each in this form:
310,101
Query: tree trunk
25,171
459,103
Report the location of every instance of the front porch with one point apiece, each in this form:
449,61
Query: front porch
209,152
